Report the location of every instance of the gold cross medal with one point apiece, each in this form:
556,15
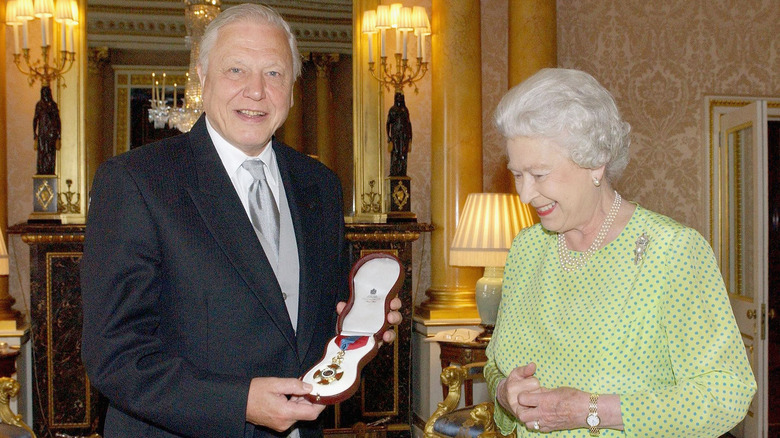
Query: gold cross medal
333,372
328,374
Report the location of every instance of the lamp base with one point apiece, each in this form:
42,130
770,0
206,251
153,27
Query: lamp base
488,297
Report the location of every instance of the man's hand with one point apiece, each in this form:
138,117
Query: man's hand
393,317
269,406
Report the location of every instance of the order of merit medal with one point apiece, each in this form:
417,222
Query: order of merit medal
375,280
333,372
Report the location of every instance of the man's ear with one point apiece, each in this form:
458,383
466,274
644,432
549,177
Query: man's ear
201,75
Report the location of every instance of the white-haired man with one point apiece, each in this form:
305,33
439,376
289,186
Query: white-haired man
197,320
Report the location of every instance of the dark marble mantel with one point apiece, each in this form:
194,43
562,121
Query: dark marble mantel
63,400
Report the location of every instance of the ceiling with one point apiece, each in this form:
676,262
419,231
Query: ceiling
319,25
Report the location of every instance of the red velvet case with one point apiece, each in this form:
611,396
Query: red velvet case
374,281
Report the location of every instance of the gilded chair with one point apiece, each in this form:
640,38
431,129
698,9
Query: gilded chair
469,422
11,425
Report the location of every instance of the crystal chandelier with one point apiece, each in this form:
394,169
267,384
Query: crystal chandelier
198,14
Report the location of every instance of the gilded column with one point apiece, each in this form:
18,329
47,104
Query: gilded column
97,62
532,38
456,149
324,63
292,130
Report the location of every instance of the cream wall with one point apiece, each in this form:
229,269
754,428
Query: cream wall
21,155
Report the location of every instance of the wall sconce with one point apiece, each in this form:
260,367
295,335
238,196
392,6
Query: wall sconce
403,20
20,12
47,127
485,231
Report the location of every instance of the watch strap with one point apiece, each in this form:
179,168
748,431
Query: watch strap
593,413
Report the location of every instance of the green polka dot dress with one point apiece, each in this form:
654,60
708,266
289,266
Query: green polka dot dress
658,330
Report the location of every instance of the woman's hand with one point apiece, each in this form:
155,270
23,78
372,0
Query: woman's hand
553,409
521,380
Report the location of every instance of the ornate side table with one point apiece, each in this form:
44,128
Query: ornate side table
462,353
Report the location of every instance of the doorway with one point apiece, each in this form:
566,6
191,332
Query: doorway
773,163
745,214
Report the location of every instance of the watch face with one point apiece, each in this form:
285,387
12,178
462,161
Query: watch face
593,420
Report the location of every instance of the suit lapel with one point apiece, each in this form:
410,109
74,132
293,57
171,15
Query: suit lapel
220,207
305,207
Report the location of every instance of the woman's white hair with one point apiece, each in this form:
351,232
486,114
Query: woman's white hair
247,12
573,109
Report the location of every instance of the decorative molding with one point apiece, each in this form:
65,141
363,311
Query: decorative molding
33,239
97,58
385,237
319,26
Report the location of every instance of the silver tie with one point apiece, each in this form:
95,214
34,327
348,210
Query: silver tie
262,208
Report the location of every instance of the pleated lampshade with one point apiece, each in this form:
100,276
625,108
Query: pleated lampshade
488,224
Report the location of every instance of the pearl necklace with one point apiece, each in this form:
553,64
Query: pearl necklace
569,263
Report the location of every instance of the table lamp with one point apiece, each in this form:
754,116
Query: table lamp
488,224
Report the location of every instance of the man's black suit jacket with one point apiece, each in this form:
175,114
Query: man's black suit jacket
181,307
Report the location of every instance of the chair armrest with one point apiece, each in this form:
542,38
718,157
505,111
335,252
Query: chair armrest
482,415
10,388
453,376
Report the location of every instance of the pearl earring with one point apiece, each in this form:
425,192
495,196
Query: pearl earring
596,182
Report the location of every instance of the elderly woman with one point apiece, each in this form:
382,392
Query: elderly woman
614,319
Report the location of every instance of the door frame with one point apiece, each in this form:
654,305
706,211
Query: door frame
716,107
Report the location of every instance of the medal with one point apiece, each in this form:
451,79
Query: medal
333,372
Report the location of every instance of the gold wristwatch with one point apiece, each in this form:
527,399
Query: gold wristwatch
593,419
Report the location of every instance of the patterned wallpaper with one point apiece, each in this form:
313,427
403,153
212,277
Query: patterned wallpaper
660,59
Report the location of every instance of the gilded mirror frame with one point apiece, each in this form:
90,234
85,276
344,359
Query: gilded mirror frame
368,156
71,158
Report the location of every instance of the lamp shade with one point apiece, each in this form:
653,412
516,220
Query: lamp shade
64,12
488,224
43,8
10,14
405,19
420,18
395,13
25,10
369,21
383,17
75,7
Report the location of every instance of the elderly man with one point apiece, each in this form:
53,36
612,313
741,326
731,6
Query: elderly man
214,261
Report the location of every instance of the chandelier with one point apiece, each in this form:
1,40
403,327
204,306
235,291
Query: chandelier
198,14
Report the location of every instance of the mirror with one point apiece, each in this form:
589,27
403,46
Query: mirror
127,43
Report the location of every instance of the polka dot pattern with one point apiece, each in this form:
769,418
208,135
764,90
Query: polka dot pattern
659,333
